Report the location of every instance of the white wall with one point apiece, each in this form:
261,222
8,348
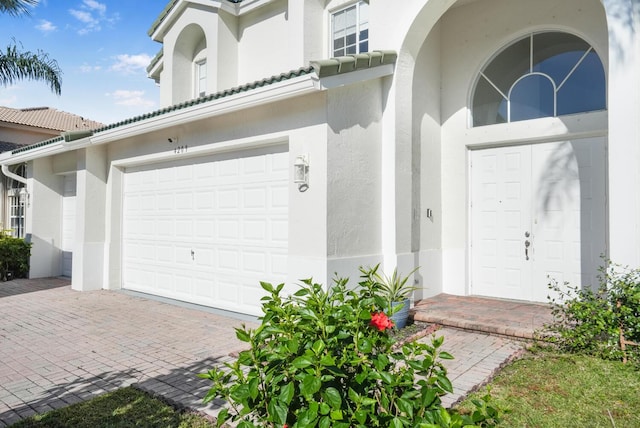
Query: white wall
264,43
44,218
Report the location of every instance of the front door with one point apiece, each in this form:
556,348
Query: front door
537,212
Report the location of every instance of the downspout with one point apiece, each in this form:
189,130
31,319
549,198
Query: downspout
5,171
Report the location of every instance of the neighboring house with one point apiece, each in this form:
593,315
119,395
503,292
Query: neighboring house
490,142
20,128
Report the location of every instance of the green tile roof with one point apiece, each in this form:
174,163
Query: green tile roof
322,68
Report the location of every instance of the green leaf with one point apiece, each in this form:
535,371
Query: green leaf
266,286
318,346
278,412
361,416
286,393
406,407
445,383
437,342
240,392
325,422
222,417
306,419
324,408
301,292
254,384
445,356
396,423
365,346
386,377
310,385
336,415
366,401
328,360
302,362
428,397
243,335
332,397
354,396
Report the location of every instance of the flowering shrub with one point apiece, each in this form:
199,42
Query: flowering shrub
324,358
602,322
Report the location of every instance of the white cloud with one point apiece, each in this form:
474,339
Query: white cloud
97,6
46,26
91,14
129,64
86,68
130,98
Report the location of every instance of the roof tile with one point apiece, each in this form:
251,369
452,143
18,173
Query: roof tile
47,118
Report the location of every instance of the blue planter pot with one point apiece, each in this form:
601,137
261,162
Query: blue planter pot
400,318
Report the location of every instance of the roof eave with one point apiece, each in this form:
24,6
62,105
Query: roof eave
268,94
173,10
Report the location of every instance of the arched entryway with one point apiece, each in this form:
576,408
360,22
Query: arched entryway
441,73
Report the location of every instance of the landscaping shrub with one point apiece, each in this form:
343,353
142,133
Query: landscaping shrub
14,257
604,322
324,358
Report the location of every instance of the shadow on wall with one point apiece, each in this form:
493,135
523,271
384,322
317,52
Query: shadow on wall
573,178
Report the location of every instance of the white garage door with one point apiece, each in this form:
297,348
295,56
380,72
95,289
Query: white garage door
207,231
538,212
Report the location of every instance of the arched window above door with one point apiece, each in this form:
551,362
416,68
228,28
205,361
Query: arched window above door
542,75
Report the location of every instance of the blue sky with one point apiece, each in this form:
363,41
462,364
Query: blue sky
103,50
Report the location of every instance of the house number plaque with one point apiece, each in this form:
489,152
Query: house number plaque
180,149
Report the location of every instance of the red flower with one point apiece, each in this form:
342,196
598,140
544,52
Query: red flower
380,321
285,426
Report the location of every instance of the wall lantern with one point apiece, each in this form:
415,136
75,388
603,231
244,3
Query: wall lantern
301,173
24,196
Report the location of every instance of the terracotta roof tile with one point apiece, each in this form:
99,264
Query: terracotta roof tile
47,118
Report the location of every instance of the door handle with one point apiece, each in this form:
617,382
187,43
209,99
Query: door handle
526,249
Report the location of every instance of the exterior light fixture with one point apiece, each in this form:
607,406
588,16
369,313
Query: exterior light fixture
24,196
301,173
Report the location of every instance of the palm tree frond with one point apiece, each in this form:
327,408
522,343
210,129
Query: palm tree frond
17,7
17,65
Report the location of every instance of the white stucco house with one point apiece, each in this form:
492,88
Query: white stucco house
20,127
490,142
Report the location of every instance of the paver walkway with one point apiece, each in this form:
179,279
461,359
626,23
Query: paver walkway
59,347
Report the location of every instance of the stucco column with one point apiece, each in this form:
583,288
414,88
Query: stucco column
89,246
43,218
623,17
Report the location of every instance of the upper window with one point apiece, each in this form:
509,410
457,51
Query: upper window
200,78
350,30
542,75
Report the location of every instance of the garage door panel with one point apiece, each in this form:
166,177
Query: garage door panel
226,220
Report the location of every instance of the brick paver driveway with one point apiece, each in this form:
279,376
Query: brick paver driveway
59,346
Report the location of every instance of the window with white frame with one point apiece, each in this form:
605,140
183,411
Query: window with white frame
350,30
17,202
200,78
544,74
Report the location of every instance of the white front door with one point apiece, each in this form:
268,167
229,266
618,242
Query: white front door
537,211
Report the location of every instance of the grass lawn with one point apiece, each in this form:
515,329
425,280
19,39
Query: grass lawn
126,407
559,390
541,390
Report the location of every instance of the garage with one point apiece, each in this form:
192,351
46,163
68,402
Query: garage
208,230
